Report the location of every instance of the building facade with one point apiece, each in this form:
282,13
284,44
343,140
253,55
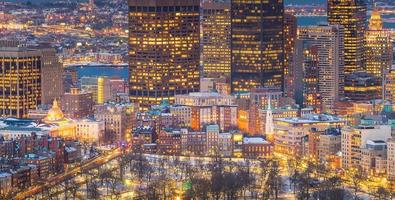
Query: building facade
354,139
216,39
51,76
391,159
257,44
77,104
351,14
290,133
164,47
290,37
118,121
327,43
20,81
378,49
90,131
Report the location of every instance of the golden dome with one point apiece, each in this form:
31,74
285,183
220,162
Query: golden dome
55,113
375,22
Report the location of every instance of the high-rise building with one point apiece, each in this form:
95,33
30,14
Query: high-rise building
164,49
351,14
257,44
329,45
51,76
378,48
311,77
216,39
103,90
290,36
20,81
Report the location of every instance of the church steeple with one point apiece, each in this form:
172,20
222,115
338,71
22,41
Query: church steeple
269,127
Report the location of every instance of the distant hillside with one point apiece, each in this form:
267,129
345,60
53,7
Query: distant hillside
286,1
39,1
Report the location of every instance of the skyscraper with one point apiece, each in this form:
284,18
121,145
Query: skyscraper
51,76
20,81
216,39
329,43
51,70
257,44
311,77
378,48
351,14
290,36
164,46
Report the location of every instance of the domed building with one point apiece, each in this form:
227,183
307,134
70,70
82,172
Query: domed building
60,126
55,113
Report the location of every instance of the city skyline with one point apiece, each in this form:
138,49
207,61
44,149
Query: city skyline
197,99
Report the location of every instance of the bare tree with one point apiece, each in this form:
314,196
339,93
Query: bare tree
357,177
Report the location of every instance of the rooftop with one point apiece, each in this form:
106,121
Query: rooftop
311,118
255,140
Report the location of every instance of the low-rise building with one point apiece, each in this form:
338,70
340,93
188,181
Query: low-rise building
374,157
90,131
118,120
5,183
193,143
77,104
329,145
355,138
141,136
391,159
256,147
42,163
290,133
169,142
205,109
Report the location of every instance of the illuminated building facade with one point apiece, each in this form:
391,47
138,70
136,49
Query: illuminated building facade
103,90
326,42
257,44
374,157
118,120
378,48
60,126
311,93
290,36
329,145
290,132
351,14
354,139
216,39
164,50
199,109
282,112
361,86
259,99
390,86
391,158
20,81
90,131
